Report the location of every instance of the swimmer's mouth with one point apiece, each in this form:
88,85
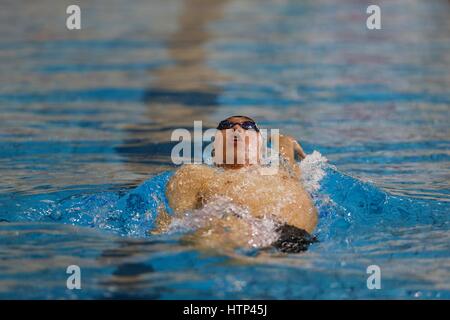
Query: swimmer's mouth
237,141
237,138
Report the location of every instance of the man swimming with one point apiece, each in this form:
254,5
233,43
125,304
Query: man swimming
238,177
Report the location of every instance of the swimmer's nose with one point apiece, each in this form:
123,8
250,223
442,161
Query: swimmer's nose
237,127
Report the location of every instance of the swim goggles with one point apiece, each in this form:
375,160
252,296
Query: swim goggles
246,125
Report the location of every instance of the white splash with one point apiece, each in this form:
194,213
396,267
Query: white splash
313,171
263,229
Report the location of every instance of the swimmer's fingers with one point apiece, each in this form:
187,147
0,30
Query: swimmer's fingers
299,150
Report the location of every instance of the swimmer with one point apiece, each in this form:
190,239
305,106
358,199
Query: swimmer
238,177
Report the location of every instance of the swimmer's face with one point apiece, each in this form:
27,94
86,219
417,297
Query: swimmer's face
237,142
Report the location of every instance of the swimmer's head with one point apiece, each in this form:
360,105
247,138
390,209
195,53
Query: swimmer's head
237,143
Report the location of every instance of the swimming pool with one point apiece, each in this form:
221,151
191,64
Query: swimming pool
86,116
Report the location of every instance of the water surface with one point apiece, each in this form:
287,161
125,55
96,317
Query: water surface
86,116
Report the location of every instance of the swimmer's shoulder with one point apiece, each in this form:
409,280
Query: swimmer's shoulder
189,172
183,187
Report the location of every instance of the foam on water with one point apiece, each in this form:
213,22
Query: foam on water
313,171
132,214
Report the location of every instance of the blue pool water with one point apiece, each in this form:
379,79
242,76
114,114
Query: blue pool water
86,118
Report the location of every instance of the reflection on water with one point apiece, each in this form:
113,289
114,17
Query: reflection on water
183,91
126,281
92,110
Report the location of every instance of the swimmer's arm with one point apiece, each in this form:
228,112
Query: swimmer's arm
300,212
289,148
299,150
310,214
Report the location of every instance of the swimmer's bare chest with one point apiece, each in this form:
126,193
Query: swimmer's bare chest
261,194
278,195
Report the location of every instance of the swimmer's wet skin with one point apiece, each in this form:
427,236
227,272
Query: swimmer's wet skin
279,196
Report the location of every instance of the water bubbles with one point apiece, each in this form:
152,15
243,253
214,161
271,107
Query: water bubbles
313,171
262,229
